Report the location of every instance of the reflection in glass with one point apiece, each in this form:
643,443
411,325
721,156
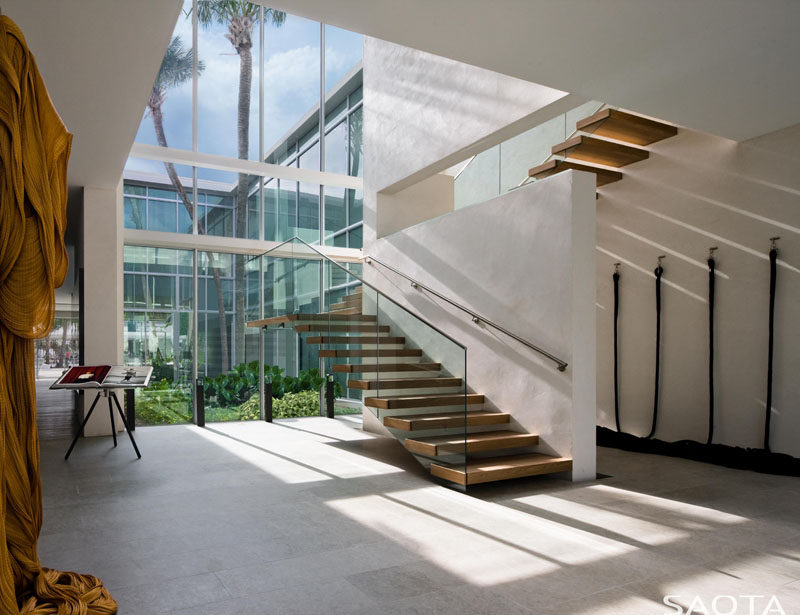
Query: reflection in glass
158,330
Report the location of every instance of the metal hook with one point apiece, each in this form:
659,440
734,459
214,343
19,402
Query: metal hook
616,267
711,251
773,245
660,258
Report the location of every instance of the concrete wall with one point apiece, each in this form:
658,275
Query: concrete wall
424,113
429,198
697,191
102,264
526,261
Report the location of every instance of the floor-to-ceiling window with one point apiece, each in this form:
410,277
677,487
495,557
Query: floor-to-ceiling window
228,161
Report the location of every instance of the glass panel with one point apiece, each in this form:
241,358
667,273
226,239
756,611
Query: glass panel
228,86
159,331
271,221
356,143
222,192
361,340
343,50
335,213
135,213
355,205
336,149
164,196
169,105
231,349
356,239
291,83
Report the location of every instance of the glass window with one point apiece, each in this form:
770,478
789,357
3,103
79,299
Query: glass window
287,210
335,213
308,212
162,216
135,213
355,205
356,238
186,292
134,291
134,258
172,92
129,188
343,50
336,149
229,48
162,292
162,260
291,77
356,143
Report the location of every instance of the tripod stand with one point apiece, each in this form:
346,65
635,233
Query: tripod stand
110,395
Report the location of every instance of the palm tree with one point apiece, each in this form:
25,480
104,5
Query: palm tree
240,17
176,69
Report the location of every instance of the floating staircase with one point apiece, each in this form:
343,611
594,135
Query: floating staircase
630,133
427,410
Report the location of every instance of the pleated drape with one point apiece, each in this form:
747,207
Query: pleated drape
34,149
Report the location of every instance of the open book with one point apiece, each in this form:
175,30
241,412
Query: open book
104,376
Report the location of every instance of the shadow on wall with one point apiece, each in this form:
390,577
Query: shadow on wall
694,192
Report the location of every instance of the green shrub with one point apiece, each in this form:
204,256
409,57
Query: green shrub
304,403
162,403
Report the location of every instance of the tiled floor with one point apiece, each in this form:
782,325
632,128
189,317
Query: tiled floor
313,516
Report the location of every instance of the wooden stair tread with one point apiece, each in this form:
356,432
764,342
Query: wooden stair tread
302,318
403,383
551,167
423,401
623,126
444,420
345,309
598,151
501,468
324,328
371,352
354,339
471,443
353,368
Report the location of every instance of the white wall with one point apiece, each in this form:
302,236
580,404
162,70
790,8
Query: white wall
526,261
429,198
102,265
424,113
697,191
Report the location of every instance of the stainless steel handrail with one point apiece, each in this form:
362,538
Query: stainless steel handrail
476,318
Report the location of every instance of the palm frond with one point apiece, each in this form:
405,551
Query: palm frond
223,11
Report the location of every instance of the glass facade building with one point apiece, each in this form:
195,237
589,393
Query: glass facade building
186,308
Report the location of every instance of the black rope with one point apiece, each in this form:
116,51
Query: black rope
711,268
658,271
616,355
773,267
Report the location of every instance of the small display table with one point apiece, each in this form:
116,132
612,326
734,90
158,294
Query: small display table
110,395
104,379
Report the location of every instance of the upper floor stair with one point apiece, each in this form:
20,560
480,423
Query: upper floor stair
614,139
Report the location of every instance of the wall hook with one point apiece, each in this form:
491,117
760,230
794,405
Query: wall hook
660,258
773,242
711,251
616,267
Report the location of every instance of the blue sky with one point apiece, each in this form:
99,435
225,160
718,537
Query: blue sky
291,86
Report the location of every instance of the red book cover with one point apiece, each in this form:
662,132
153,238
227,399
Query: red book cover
85,374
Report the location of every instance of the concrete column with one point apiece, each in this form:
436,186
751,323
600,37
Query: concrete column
102,270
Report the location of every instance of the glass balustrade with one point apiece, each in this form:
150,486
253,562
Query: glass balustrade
323,327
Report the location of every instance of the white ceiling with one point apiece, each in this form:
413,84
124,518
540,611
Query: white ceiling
728,67
98,59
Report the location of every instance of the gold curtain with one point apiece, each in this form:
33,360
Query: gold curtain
34,149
